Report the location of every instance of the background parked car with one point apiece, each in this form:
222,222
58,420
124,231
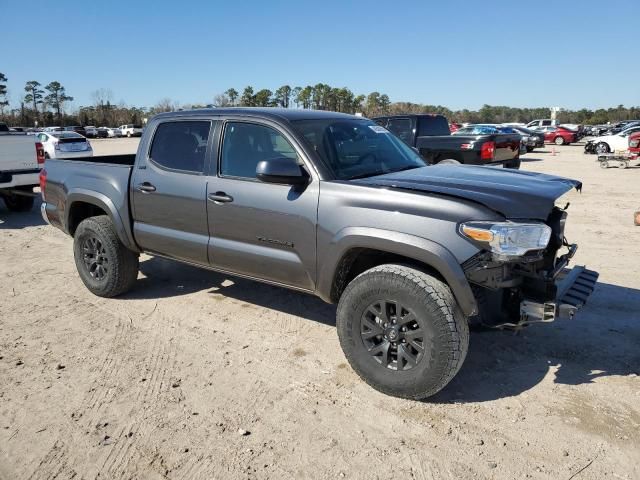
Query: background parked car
131,130
531,138
64,145
558,135
611,143
77,129
634,143
546,122
90,131
103,132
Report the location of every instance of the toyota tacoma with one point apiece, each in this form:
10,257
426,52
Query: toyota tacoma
336,206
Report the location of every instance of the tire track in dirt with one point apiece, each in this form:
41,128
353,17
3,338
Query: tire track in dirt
158,364
55,464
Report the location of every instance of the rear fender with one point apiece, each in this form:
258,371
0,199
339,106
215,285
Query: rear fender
100,200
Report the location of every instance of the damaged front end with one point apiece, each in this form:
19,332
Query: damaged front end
522,276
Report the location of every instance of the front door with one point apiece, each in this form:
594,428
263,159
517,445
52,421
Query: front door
262,230
169,191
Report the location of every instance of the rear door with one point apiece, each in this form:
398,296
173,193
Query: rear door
263,230
168,189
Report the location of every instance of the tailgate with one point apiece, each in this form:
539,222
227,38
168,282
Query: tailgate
507,146
17,152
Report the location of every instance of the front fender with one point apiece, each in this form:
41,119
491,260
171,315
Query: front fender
419,249
102,201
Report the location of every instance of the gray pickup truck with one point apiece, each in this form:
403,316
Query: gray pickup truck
336,206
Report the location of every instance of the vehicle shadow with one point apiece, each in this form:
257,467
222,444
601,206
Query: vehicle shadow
601,341
166,278
531,159
15,220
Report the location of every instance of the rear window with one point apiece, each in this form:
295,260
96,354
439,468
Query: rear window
181,145
66,135
433,125
402,129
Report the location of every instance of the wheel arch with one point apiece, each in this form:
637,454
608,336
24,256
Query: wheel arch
83,204
356,249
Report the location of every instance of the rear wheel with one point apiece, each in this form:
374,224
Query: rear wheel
18,203
402,331
602,148
604,164
559,140
530,149
106,266
515,163
128,134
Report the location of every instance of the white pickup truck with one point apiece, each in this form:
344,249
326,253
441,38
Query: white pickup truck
21,159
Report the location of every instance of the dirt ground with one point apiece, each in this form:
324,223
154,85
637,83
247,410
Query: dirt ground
195,375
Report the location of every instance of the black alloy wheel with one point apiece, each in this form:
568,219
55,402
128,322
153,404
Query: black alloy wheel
393,335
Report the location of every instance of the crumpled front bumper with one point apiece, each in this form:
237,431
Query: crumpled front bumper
574,286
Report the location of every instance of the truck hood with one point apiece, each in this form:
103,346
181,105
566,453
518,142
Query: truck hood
513,193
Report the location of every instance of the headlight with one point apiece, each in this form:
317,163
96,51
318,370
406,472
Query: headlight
507,240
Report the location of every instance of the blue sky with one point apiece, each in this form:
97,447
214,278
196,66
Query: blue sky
460,54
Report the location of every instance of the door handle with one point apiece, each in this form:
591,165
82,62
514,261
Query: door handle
146,187
220,197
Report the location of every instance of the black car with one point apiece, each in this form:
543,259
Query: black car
102,132
77,129
532,138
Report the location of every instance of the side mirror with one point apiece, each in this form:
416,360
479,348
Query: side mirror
281,170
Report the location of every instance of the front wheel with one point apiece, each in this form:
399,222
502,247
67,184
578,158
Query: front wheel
559,141
128,134
530,149
602,148
105,265
402,331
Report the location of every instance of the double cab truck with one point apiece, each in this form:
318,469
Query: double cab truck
21,159
336,206
430,135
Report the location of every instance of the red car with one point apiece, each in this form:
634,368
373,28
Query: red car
634,143
558,135
454,127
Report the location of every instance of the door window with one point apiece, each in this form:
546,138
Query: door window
247,144
401,127
181,145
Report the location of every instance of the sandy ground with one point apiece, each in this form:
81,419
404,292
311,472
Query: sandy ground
194,375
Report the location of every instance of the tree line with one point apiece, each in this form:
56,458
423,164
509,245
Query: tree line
47,106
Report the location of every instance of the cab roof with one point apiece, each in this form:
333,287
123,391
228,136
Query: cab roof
289,114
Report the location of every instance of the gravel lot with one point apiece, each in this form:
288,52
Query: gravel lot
198,375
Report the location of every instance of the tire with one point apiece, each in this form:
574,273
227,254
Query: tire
18,203
515,164
558,140
530,149
128,134
109,269
602,148
439,328
449,161
604,164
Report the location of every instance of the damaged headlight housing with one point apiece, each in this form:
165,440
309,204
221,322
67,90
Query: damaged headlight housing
508,240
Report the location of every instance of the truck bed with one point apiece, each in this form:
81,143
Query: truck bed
436,148
112,159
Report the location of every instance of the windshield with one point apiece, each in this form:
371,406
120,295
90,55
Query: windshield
354,148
